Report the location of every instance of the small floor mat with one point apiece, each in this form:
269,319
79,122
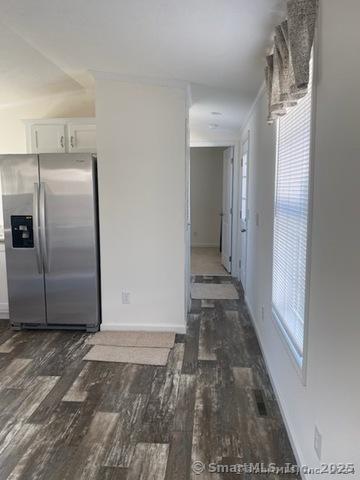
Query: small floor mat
137,355
211,291
133,339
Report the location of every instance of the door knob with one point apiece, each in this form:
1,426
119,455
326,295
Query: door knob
243,230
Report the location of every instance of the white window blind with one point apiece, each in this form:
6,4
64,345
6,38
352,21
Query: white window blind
291,221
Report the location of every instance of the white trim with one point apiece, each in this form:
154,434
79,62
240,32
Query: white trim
116,327
296,360
315,81
187,210
142,80
297,452
301,368
235,144
245,142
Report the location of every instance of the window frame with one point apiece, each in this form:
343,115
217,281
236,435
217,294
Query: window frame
300,362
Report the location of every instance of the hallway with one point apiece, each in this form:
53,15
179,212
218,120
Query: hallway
213,402
206,261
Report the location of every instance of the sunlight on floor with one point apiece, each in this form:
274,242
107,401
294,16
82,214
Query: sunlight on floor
206,261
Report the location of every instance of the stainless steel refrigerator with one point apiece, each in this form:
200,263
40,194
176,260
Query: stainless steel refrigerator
51,240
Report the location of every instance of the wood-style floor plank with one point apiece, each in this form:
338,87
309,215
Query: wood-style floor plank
62,418
179,459
149,462
91,451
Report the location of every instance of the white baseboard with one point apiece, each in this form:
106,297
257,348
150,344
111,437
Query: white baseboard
4,311
296,450
115,327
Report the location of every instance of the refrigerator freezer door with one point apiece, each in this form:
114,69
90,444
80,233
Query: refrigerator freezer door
69,239
20,189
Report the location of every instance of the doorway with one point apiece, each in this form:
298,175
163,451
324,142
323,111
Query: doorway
211,198
244,210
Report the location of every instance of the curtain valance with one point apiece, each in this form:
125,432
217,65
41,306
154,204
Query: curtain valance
287,68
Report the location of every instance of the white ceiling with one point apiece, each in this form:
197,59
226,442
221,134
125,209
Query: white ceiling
25,73
217,45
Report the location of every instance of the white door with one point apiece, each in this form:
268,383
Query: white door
81,138
48,138
244,211
226,226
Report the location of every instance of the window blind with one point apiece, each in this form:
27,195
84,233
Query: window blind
291,220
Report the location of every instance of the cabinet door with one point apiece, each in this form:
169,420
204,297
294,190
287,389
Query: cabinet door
48,138
81,138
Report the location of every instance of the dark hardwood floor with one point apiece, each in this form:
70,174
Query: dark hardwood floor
62,418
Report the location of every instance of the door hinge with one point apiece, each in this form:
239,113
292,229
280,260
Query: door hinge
239,263
242,162
230,258
231,211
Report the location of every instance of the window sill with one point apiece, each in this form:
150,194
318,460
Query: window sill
297,362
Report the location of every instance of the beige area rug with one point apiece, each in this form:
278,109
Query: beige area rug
206,261
212,291
133,339
137,355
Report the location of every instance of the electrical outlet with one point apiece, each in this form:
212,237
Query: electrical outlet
317,443
125,295
263,313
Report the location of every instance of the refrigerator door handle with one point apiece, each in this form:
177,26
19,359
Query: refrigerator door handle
36,227
42,208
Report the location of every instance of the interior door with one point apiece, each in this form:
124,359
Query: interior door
20,189
68,220
226,228
48,138
244,211
82,138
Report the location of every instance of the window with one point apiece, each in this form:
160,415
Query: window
291,222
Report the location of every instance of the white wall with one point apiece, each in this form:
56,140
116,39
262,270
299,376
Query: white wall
141,161
206,176
330,399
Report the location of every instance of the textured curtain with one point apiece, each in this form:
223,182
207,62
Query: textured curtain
287,68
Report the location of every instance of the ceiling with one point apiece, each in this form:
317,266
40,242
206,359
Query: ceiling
216,45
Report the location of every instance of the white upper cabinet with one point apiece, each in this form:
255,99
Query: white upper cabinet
81,138
47,138
61,135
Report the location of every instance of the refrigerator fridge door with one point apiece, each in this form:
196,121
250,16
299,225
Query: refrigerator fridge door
68,231
20,190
